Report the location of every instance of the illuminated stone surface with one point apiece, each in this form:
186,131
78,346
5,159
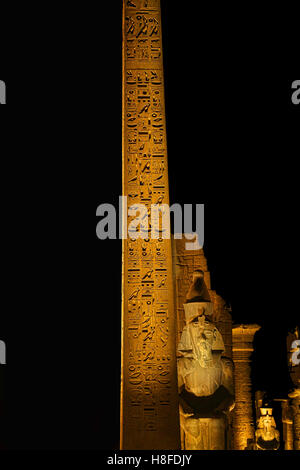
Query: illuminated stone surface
295,407
294,396
287,425
149,393
293,357
184,264
267,437
205,377
242,349
150,307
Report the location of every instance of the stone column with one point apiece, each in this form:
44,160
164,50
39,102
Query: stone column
295,406
293,348
287,424
242,349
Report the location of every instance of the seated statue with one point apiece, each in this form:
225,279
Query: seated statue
205,378
267,437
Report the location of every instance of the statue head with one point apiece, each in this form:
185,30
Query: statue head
266,426
266,420
200,338
267,436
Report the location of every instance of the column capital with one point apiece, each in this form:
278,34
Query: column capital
245,329
243,336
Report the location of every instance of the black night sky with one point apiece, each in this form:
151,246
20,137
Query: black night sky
233,138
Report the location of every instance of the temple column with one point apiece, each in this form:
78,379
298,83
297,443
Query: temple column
293,348
295,407
287,424
242,349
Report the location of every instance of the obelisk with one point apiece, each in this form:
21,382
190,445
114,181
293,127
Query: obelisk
149,392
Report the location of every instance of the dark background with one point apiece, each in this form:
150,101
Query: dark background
233,145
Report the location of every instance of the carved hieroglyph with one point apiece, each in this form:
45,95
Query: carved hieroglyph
149,399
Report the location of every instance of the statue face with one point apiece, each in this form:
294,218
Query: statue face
267,429
209,336
205,334
268,422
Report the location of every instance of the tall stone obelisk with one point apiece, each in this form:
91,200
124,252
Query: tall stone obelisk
149,392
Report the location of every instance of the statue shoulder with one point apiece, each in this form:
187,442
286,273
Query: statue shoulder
184,365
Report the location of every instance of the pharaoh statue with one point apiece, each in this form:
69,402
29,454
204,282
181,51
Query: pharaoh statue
205,377
267,437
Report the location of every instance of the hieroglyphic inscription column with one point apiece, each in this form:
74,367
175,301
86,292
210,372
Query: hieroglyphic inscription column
149,393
